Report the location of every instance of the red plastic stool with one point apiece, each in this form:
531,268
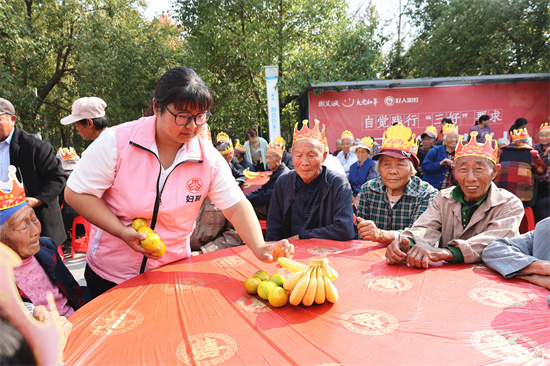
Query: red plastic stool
82,243
263,225
528,221
60,251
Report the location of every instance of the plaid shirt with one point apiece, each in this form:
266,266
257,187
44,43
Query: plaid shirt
374,204
448,178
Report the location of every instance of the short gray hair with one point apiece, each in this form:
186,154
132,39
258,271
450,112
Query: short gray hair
377,166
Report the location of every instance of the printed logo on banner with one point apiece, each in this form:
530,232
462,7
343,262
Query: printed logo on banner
252,304
508,347
389,101
206,349
498,298
194,185
369,322
183,284
388,283
322,250
116,322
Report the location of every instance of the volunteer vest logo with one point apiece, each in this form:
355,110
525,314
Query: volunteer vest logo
388,283
322,250
194,185
116,322
252,304
508,347
206,349
227,263
369,322
498,297
184,284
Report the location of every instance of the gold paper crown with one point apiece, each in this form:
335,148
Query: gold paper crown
399,137
544,127
448,128
223,137
472,148
347,135
522,133
12,192
306,133
432,130
239,147
67,153
367,141
280,142
275,148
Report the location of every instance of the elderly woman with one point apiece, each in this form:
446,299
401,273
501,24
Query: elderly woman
542,207
42,270
363,169
393,201
156,168
437,165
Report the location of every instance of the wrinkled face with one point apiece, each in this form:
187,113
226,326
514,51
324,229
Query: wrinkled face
23,232
346,145
395,173
544,137
84,131
451,140
338,145
362,153
307,157
169,132
428,142
7,124
474,175
273,160
229,156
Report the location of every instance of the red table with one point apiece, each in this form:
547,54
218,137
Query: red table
253,184
196,311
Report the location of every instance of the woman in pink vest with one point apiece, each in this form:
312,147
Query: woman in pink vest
157,168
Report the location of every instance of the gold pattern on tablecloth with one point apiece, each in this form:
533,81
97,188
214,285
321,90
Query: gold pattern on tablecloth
369,322
507,347
227,263
252,304
207,349
388,283
322,250
116,322
498,297
182,284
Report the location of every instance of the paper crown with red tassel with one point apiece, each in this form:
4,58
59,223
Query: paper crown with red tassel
309,133
12,196
487,150
519,134
275,148
399,142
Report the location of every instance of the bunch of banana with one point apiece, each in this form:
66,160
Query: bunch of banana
311,283
250,175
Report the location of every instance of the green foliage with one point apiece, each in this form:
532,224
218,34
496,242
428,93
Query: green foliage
230,42
479,37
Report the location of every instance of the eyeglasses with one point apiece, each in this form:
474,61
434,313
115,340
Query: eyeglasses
183,118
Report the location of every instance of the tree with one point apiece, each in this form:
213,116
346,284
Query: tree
479,37
230,41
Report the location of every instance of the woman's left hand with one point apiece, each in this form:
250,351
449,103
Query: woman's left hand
275,249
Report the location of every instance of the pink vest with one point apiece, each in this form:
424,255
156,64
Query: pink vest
133,195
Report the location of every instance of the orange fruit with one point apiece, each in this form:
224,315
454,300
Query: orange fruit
251,285
151,242
262,275
277,297
262,175
278,278
137,223
161,251
145,230
265,287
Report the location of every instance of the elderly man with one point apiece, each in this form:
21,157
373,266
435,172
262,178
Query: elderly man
42,270
462,219
338,148
89,115
427,139
311,201
394,200
526,256
40,170
346,157
287,157
260,198
225,147
239,152
438,164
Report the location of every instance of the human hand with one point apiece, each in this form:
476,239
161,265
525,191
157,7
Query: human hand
367,230
546,151
33,202
245,185
446,162
355,201
131,237
273,250
419,255
396,252
41,314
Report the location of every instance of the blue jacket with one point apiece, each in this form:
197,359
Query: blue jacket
287,159
53,265
246,164
433,171
262,196
358,177
335,213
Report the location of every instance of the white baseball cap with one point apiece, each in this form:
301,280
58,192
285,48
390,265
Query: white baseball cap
83,108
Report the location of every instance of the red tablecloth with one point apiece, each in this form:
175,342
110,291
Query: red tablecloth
253,184
196,311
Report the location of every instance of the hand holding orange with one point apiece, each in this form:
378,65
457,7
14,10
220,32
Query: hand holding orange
152,240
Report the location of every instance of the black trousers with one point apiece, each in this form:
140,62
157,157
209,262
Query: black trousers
96,284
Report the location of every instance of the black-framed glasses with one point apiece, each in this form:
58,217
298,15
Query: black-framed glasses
183,118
